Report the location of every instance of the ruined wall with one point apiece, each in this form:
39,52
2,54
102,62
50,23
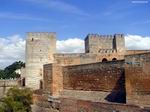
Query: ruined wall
138,79
5,85
40,48
75,105
53,79
103,77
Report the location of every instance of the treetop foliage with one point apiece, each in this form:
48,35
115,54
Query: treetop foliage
9,71
17,100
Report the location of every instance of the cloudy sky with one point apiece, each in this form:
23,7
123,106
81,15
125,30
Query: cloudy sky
72,20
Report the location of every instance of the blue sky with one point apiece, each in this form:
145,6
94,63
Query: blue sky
74,18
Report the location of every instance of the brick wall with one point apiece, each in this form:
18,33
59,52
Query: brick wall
94,77
138,79
85,58
53,79
104,77
74,105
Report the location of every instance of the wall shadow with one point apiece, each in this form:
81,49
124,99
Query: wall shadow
118,94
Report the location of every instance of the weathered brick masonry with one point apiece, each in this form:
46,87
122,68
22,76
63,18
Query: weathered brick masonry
137,72
94,76
102,77
75,105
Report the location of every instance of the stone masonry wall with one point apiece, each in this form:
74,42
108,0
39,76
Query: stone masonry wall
85,58
53,79
95,76
102,77
47,78
5,85
75,105
129,52
94,43
137,72
40,48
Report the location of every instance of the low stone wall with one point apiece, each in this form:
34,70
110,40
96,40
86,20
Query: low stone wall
75,105
133,52
96,96
41,104
5,85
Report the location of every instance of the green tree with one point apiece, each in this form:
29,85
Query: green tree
17,100
9,71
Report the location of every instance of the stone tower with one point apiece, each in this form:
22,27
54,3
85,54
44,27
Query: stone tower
119,43
95,43
40,48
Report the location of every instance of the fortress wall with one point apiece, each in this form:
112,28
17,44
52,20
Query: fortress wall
75,105
84,58
105,78
138,79
94,76
41,104
53,79
5,85
105,42
130,52
47,78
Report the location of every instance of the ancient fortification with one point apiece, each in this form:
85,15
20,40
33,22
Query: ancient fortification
106,78
40,48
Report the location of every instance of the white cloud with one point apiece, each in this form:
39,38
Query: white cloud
13,48
137,42
74,45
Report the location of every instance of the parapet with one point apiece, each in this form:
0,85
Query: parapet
119,35
107,37
40,34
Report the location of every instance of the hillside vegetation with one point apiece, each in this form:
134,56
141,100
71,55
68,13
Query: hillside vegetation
9,71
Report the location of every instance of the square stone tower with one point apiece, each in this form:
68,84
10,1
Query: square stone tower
95,43
40,48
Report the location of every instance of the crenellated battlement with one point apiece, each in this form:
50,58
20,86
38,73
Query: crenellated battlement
40,34
100,36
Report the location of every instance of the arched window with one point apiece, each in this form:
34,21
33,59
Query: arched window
114,59
104,60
